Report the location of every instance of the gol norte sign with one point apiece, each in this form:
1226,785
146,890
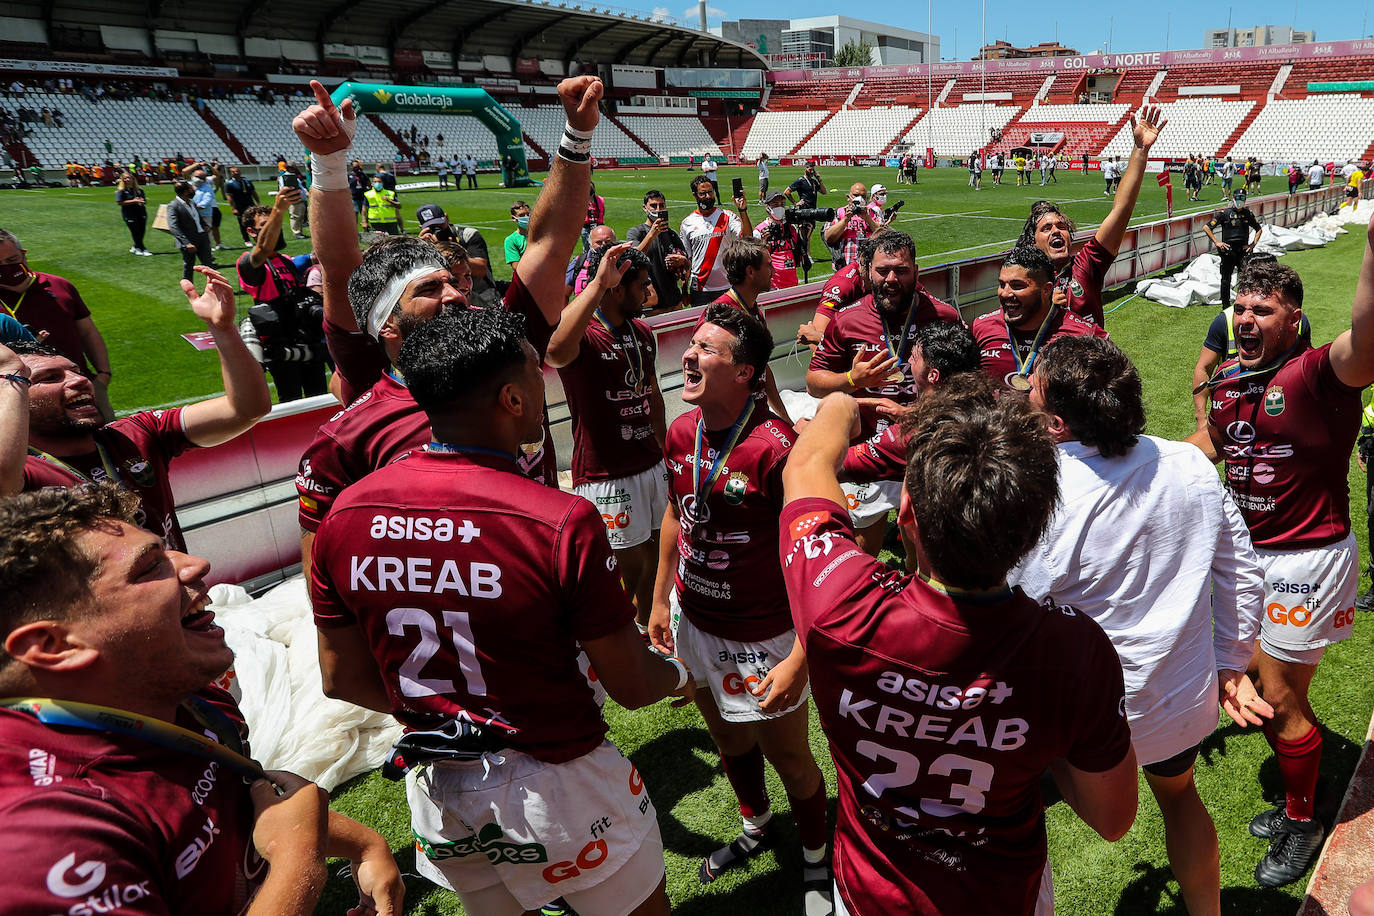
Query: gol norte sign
469,102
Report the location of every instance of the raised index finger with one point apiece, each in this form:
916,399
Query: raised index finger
322,97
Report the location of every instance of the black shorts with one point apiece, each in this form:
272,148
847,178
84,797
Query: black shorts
216,218
1352,192
1176,765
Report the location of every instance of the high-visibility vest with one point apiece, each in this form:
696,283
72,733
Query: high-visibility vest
1368,421
379,206
1230,313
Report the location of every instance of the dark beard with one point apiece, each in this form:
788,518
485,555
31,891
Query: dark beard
65,427
897,306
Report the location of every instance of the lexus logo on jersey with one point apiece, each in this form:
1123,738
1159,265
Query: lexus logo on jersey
1240,431
694,514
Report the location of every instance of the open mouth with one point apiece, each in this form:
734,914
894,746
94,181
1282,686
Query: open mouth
691,379
1248,345
198,618
1058,243
81,402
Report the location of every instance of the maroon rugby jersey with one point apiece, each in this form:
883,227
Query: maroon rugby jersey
842,289
1082,280
141,447
1286,440
473,586
859,330
881,456
612,435
990,333
942,714
728,580
103,823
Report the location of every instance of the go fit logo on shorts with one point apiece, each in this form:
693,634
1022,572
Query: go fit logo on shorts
1301,616
734,685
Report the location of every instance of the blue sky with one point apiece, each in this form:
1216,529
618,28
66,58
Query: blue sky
1084,26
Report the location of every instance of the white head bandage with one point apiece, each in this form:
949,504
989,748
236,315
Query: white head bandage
390,297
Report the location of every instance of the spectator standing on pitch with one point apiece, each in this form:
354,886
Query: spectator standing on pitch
808,189
719,601
853,223
866,351
708,169
1283,419
706,231
1353,176
1010,340
515,243
975,170
944,815
470,170
203,196
51,307
1183,612
1020,162
1316,174
1227,170
184,222
1235,222
763,178
434,227
387,178
69,445
1079,277
283,329
241,195
606,358
165,758
442,172
133,208
667,254
509,731
381,209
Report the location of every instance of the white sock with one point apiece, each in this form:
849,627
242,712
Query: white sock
814,856
758,821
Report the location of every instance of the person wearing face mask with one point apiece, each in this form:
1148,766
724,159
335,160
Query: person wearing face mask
1235,223
283,329
518,240
186,227
667,255
203,196
852,225
52,309
578,274
381,209
707,231
785,248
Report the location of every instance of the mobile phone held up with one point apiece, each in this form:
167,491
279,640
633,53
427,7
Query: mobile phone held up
289,180
736,187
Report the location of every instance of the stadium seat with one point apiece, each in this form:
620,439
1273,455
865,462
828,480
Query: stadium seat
134,127
859,132
1322,127
960,130
778,132
544,125
672,135
265,131
1196,126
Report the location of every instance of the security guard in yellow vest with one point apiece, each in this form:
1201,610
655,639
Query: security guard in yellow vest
1364,451
382,212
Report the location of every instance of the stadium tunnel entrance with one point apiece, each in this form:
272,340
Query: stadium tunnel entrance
469,102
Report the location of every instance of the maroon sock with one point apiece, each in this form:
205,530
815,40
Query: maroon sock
1271,736
745,772
1298,762
809,813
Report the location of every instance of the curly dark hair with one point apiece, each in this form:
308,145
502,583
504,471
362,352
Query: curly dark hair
1094,388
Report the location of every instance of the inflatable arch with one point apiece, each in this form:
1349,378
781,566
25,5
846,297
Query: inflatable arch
476,103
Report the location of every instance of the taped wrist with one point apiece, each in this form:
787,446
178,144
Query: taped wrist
576,145
329,172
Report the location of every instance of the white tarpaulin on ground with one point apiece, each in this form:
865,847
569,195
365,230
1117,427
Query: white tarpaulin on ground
276,680
1200,282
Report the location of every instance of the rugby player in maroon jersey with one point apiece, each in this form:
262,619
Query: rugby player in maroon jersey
1009,340
719,601
371,302
606,357
1283,418
453,592
943,695
866,351
1079,277
149,802
749,268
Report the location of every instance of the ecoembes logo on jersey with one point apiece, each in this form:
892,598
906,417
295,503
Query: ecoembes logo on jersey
1273,401
489,842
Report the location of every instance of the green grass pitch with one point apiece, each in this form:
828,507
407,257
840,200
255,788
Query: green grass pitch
140,309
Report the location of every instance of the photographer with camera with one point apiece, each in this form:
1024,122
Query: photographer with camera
807,188
435,228
284,329
785,247
667,255
851,226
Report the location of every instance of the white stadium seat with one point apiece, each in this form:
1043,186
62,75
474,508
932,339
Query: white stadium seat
859,132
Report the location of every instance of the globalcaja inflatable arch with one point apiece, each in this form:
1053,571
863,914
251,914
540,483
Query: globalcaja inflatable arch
475,103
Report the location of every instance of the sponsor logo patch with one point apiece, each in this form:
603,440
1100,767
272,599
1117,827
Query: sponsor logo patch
490,842
1273,401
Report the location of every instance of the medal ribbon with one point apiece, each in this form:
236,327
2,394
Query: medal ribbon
978,596
700,489
901,351
104,459
1235,374
637,360
72,714
1023,367
14,309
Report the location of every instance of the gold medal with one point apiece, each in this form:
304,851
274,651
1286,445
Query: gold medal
1018,382
897,377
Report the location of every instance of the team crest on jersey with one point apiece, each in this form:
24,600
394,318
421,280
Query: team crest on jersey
1273,401
141,470
1075,287
735,488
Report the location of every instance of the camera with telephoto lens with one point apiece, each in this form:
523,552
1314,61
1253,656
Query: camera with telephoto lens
794,215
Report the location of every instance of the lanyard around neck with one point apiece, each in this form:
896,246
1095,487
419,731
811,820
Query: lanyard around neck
110,470
699,487
632,351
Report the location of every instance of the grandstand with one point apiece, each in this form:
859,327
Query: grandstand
1194,125
133,127
958,131
672,135
1325,128
780,132
264,131
869,131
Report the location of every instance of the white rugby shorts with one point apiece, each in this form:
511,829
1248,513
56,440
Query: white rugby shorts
869,502
732,670
631,507
538,830
1309,596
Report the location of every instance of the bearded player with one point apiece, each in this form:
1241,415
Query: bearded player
1010,340
1079,277
1283,418
453,592
944,695
719,601
606,358
866,351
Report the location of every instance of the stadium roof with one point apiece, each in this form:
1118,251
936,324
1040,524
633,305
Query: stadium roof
508,28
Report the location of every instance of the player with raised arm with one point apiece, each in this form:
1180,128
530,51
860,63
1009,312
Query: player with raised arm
606,358
1283,419
719,601
1079,277
944,695
453,592
866,351
372,302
